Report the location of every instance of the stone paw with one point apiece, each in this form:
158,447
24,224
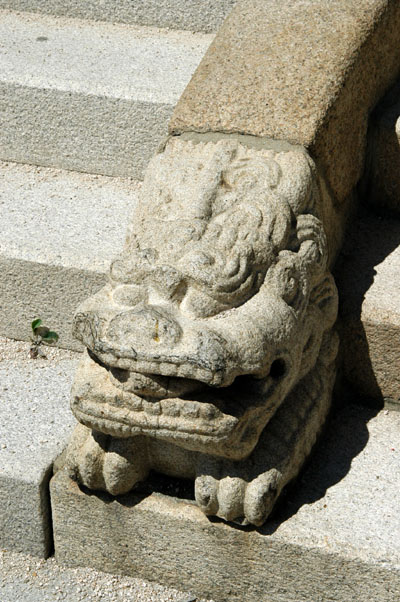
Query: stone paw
234,499
101,462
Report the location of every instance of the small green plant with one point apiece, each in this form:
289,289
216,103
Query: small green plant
41,335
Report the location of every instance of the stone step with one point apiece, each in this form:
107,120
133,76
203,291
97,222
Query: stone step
60,230
89,96
193,15
368,278
341,518
35,423
25,578
334,536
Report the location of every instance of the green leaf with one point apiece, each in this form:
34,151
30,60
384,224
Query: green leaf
42,331
50,337
35,324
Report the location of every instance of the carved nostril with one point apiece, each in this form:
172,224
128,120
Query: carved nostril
278,368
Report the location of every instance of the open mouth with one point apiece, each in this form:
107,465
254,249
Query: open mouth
123,403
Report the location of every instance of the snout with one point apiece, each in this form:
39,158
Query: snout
153,340
145,328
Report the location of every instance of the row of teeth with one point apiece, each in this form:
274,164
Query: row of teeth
123,417
189,410
190,371
171,407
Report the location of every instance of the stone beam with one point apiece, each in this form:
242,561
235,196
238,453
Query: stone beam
305,71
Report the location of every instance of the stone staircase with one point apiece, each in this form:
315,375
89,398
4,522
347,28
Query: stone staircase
87,90
78,96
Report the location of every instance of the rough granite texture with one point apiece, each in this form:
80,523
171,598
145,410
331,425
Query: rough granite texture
383,177
304,71
35,423
89,96
60,231
368,277
28,579
335,537
194,15
213,340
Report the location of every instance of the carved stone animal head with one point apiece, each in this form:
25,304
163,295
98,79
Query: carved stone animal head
216,307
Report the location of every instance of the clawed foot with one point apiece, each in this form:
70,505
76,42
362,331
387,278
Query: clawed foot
235,499
102,462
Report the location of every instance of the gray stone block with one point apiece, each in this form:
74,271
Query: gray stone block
368,281
85,96
60,231
194,15
291,70
35,423
335,537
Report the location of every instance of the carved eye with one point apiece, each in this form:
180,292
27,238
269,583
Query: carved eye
201,305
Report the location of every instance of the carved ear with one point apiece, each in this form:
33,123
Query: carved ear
325,296
313,244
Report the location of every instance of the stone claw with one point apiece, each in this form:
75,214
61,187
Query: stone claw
233,499
100,462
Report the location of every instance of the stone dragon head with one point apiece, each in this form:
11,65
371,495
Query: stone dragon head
218,304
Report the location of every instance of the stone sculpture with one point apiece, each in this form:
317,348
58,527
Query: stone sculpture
211,352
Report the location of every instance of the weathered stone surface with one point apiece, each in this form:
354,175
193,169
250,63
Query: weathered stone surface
213,341
86,96
59,233
368,277
383,178
35,423
28,579
195,15
336,538
307,71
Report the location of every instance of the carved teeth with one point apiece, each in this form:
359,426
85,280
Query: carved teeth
153,408
137,404
170,408
190,409
209,412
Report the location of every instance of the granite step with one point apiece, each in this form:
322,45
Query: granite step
193,15
26,578
35,423
334,536
368,278
60,230
341,518
89,96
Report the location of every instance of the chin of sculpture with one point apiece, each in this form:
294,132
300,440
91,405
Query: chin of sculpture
211,351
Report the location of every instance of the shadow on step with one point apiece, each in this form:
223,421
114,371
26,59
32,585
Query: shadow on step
366,336
346,435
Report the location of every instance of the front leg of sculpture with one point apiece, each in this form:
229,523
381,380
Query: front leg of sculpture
205,348
106,463
246,492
